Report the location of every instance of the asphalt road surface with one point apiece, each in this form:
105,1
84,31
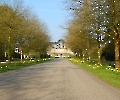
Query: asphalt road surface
54,80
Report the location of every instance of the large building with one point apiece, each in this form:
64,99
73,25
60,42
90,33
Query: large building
59,49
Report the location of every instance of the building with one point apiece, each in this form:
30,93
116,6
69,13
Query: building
59,49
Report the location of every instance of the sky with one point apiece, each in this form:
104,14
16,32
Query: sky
52,13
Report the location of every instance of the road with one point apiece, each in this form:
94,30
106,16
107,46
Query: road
54,80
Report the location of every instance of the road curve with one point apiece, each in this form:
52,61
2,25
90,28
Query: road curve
54,80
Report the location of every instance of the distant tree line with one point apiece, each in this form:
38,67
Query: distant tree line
22,29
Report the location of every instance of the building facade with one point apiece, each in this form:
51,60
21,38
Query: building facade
59,49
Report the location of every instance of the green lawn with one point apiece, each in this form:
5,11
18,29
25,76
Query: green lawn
17,64
104,72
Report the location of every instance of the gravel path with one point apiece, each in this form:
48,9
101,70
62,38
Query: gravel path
54,80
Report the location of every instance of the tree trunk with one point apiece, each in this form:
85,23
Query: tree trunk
99,53
99,56
117,54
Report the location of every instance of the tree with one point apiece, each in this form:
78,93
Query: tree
113,14
79,31
21,28
100,20
109,23
10,24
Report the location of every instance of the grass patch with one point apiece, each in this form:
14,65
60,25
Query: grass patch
16,65
107,73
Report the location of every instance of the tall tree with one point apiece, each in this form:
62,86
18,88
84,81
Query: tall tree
114,26
81,23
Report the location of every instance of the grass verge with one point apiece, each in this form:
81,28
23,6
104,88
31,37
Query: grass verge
106,73
16,65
